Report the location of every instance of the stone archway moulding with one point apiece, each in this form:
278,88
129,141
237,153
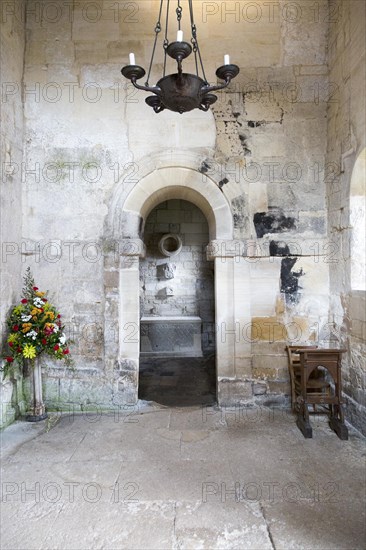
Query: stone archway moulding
158,186
179,183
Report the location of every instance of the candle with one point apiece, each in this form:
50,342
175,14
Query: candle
226,59
132,59
180,36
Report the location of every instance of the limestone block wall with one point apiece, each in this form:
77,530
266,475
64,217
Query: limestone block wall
11,147
90,139
269,162
346,143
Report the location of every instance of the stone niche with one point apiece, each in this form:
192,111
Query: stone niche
177,282
171,336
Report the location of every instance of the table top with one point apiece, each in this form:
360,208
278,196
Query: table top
314,351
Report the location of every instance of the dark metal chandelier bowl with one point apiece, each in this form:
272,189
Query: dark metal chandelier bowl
180,92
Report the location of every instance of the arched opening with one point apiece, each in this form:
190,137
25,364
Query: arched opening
177,308
357,222
126,225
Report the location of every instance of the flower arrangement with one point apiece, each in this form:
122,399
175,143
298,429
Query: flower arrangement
35,327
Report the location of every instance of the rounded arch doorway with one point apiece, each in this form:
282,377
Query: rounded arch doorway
128,217
177,308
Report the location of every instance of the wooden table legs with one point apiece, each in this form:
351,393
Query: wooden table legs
327,360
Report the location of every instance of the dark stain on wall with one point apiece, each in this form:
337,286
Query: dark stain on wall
238,210
278,248
272,222
205,166
244,144
290,279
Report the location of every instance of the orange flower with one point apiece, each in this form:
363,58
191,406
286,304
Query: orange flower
26,327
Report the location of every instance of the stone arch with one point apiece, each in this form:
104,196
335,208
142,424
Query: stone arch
179,183
127,217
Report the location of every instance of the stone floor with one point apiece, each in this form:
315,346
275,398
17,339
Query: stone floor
178,382
153,477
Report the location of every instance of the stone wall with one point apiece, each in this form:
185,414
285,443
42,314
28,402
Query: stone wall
12,40
91,140
346,142
88,132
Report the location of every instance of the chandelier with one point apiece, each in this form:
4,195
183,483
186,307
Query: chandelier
180,92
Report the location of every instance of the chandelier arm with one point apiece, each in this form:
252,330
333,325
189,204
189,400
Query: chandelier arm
208,89
154,89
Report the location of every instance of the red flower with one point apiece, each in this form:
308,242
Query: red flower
41,310
10,359
35,288
45,299
19,350
44,341
15,328
56,347
24,301
11,344
58,316
66,351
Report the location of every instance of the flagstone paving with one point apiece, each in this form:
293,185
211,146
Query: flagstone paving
157,477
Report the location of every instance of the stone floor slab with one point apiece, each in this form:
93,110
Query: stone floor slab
181,479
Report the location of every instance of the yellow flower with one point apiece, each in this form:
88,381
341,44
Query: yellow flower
29,351
26,327
35,311
50,314
40,294
12,337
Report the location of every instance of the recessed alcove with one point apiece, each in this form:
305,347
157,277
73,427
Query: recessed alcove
176,305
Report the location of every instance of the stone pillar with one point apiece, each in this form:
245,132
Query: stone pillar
129,321
232,313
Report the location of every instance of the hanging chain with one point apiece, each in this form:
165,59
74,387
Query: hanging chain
194,41
166,41
157,31
179,14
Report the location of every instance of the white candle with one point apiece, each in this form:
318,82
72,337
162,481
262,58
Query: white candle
180,36
226,59
132,59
